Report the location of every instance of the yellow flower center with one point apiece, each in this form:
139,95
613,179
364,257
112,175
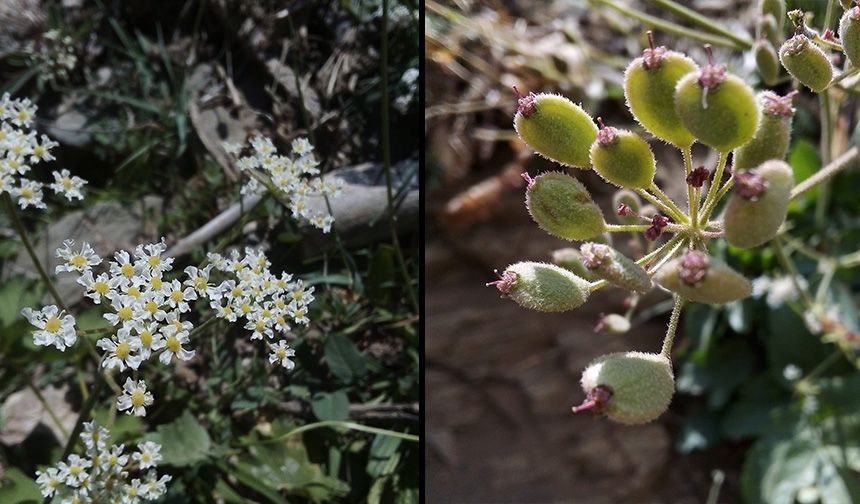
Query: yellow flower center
259,326
67,183
280,320
101,287
26,193
153,261
78,261
125,313
280,303
138,397
246,308
281,353
151,306
38,151
134,292
199,283
13,163
236,292
123,350
156,282
75,470
23,115
146,338
176,296
127,270
173,344
52,325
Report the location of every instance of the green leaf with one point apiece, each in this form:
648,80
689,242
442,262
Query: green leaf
700,431
804,161
343,358
788,341
383,457
18,488
16,293
183,442
380,274
330,405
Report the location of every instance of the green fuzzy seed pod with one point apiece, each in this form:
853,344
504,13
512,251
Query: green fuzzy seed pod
545,287
649,87
623,158
752,222
556,128
562,207
767,62
571,260
614,267
717,283
775,8
849,35
724,116
631,199
806,62
773,135
768,28
641,385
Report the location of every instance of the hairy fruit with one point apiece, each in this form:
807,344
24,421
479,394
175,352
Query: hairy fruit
773,135
614,267
623,158
542,287
753,219
700,278
562,207
556,128
806,62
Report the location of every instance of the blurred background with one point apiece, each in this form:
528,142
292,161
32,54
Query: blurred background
140,95
766,408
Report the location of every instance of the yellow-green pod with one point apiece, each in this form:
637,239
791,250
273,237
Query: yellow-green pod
542,287
628,387
767,27
700,278
718,108
562,207
767,62
649,87
773,135
849,35
623,158
806,62
556,128
758,204
775,8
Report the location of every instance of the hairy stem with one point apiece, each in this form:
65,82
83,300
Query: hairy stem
669,339
788,264
702,21
666,199
679,218
844,161
706,212
715,184
692,194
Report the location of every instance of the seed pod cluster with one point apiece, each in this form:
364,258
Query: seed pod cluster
806,62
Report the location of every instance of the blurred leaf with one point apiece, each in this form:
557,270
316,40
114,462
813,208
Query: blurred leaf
788,341
383,459
16,293
330,405
700,431
380,275
184,441
726,367
804,160
343,358
18,488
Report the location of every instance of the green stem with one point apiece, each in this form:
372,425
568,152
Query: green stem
659,250
702,21
627,228
666,199
85,413
706,212
826,156
22,232
197,330
715,184
844,161
335,423
844,75
673,28
692,194
679,218
788,264
669,339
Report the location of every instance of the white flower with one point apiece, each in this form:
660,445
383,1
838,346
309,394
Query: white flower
24,112
225,312
791,372
75,471
298,312
121,353
783,289
6,182
154,486
134,398
113,460
123,267
76,261
29,194
42,152
150,339
149,455
98,287
232,148
173,346
198,279
127,309
301,146
68,185
260,326
54,328
48,481
178,298
150,260
281,354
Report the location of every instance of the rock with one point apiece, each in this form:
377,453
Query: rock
23,411
107,226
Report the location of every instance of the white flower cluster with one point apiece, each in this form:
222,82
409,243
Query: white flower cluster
146,309
268,303
777,290
103,475
19,149
54,54
295,178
